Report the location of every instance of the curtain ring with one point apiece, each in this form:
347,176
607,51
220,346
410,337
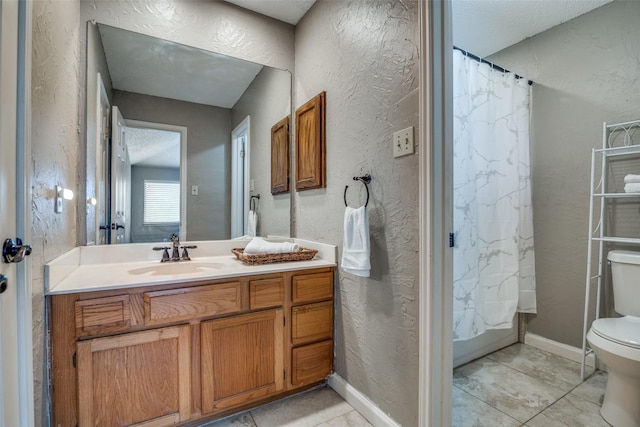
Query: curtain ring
366,179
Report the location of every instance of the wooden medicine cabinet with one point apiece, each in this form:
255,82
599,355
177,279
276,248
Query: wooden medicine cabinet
310,144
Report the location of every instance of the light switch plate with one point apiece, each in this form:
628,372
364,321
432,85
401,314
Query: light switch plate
194,190
403,142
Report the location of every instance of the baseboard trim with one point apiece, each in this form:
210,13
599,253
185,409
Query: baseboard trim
360,402
557,348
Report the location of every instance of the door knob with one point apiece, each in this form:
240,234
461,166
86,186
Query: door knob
15,251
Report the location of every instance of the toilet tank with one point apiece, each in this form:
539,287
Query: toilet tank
625,274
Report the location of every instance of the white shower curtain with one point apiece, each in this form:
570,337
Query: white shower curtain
493,258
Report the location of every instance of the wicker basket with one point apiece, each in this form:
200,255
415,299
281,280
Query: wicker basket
303,254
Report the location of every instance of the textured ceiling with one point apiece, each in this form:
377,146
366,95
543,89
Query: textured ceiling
289,11
484,27
152,66
153,147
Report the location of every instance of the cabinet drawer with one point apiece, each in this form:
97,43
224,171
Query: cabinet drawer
311,363
102,315
312,287
311,322
266,293
190,303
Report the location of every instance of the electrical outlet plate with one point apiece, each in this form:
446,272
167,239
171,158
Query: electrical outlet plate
403,142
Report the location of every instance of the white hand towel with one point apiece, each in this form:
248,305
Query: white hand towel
631,178
260,246
252,224
633,187
356,251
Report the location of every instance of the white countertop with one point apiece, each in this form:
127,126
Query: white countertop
94,268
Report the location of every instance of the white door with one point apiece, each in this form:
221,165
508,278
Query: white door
102,165
15,394
240,178
119,171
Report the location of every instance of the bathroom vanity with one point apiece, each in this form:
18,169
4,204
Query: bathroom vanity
158,345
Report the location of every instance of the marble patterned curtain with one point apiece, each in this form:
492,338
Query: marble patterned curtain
493,259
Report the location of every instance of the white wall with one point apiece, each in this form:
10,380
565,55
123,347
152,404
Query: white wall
585,72
365,56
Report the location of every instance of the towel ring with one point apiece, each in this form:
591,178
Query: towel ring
253,203
365,179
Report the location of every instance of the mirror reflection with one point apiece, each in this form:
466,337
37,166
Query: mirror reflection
178,140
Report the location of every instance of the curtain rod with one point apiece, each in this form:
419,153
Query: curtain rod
491,64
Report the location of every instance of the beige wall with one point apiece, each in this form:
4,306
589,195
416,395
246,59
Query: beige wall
58,105
365,56
54,147
266,101
208,156
371,82
585,72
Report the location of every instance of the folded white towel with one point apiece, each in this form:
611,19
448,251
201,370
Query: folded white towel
631,178
252,224
356,251
260,246
633,187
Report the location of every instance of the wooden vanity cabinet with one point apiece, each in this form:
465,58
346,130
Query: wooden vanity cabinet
188,353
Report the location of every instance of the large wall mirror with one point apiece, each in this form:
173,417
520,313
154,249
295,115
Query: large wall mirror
178,140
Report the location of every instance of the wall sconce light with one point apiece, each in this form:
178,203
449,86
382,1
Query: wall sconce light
62,193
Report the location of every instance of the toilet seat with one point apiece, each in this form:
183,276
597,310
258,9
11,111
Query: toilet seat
622,330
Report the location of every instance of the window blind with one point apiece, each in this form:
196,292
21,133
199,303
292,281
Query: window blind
161,202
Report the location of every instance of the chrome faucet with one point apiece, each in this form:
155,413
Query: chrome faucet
175,244
175,250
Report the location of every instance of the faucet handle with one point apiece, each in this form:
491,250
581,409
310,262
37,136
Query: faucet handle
185,254
165,254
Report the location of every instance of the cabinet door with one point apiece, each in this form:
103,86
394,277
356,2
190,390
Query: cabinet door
242,359
310,144
140,378
280,157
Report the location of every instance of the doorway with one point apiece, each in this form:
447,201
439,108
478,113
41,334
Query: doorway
240,184
156,181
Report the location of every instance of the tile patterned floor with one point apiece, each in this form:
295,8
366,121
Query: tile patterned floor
524,386
519,386
319,407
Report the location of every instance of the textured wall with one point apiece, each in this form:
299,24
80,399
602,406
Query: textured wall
208,156
267,101
364,55
54,147
585,72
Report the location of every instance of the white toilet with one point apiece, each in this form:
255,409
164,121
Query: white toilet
616,341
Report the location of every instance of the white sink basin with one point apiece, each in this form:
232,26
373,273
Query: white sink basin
176,268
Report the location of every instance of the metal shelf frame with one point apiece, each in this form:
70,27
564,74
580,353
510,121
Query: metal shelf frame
597,233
